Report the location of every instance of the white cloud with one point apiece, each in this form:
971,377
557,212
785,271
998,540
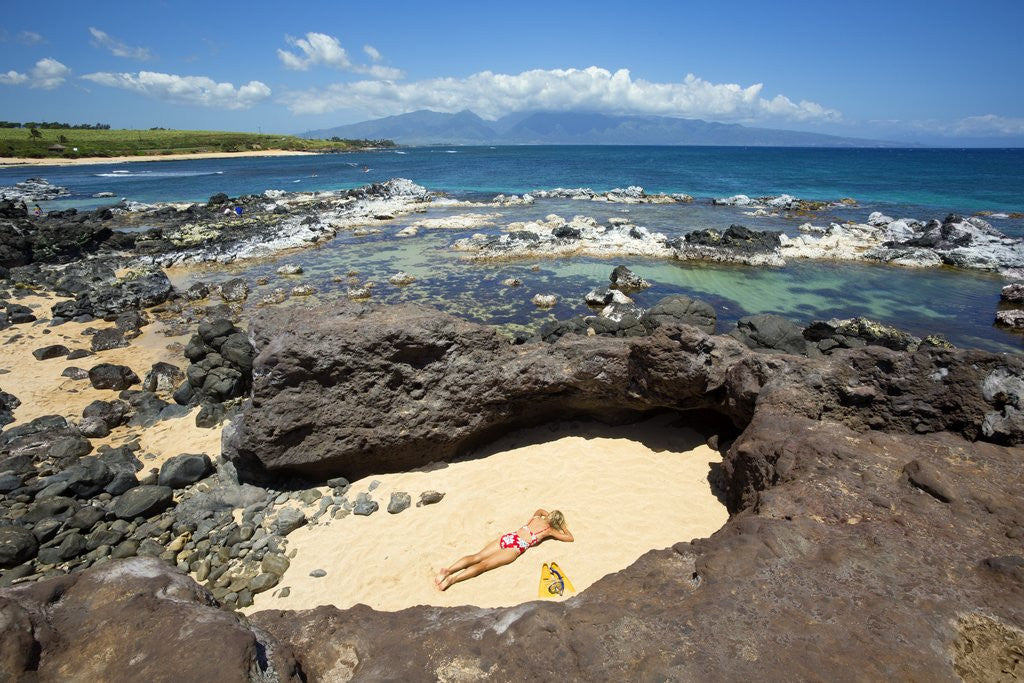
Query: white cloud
47,74
318,48
104,40
492,95
322,49
12,77
197,90
30,38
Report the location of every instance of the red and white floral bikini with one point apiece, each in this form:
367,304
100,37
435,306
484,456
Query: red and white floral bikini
514,540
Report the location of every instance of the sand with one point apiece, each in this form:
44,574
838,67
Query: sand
23,161
43,391
624,491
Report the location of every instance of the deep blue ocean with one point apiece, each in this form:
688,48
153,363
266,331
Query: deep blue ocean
915,183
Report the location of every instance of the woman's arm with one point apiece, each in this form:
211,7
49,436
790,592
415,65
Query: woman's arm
540,513
563,534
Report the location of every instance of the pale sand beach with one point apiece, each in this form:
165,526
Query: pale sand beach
22,161
42,389
624,491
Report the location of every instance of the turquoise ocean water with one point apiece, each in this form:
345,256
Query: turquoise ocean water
917,183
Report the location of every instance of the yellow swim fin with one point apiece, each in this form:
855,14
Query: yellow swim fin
545,581
557,572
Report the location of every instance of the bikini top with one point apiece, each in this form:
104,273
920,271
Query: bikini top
533,537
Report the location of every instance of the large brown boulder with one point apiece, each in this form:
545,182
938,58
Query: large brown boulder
131,620
348,389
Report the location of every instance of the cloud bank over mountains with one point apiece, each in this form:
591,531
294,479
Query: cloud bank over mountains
593,89
317,76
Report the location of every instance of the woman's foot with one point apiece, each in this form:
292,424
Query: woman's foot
445,583
441,576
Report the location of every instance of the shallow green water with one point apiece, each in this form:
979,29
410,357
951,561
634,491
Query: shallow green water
959,304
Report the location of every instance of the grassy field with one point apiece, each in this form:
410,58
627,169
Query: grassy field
18,142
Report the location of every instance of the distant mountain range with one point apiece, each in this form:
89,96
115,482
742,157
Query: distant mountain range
427,127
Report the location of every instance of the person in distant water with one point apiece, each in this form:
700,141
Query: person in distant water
497,553
366,169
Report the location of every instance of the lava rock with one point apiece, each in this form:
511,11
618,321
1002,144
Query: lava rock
163,378
143,501
288,520
399,502
52,351
430,498
767,332
182,470
110,376
625,280
111,338
17,545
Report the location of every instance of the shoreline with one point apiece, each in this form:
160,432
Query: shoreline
14,162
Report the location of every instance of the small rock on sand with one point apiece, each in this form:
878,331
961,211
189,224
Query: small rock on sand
318,573
399,501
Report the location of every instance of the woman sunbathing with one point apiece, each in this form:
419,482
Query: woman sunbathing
502,551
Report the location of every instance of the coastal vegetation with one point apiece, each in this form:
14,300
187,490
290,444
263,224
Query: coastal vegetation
69,142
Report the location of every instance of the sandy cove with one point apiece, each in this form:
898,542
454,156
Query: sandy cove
81,161
611,483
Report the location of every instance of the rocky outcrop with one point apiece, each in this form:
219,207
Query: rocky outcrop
221,364
130,620
634,194
33,190
269,222
955,241
352,389
56,238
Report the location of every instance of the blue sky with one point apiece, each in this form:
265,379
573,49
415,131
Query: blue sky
939,71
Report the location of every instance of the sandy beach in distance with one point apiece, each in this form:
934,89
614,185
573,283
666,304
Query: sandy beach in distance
11,161
624,491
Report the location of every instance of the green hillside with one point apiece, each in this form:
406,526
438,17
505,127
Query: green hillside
21,142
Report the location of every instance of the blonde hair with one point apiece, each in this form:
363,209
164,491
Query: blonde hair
556,519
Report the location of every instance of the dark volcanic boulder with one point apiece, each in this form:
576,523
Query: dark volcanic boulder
17,545
163,378
8,402
142,501
767,332
682,310
185,469
110,376
625,280
161,624
141,288
111,338
52,351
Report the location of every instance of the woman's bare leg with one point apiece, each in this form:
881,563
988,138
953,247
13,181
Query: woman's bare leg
467,561
493,561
